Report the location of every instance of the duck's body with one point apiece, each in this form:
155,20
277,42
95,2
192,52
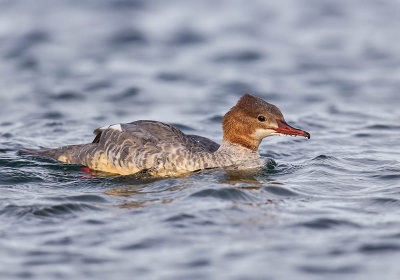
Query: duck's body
163,150
156,147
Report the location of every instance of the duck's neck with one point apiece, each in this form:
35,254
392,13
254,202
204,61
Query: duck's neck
243,142
236,149
233,154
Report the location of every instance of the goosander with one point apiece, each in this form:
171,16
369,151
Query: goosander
160,149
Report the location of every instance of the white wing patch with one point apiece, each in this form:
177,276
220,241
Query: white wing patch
113,126
116,127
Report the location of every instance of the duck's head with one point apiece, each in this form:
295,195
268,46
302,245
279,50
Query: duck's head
253,119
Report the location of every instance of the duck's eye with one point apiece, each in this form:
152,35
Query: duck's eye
261,118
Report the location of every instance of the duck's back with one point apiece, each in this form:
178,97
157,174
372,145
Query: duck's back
147,145
155,133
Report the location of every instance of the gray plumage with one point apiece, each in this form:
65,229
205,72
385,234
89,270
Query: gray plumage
159,148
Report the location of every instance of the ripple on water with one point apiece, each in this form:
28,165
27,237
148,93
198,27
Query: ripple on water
68,96
321,269
180,217
383,127
144,244
185,220
10,176
6,135
79,198
46,210
327,223
328,165
378,248
128,37
235,88
187,37
280,191
363,135
27,42
282,169
224,194
215,119
171,77
127,94
53,115
243,56
127,4
98,85
323,158
384,202
388,175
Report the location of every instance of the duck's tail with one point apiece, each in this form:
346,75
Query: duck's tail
73,154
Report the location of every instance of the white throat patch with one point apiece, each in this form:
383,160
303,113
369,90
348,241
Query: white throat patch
262,133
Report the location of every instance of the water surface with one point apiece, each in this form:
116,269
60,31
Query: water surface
329,209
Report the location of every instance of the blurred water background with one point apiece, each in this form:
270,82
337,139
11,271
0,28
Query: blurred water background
328,210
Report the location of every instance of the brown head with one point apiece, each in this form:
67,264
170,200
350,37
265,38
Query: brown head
252,119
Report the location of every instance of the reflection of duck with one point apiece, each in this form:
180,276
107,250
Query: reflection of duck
161,149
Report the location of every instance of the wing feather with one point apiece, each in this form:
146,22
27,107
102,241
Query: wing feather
152,134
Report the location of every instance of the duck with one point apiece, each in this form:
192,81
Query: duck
160,149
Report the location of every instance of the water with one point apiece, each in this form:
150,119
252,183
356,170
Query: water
328,210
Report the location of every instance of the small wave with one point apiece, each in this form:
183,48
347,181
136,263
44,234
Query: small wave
342,113
327,223
379,248
201,262
126,94
313,269
27,42
324,157
128,37
235,88
53,115
390,176
215,119
14,176
79,198
45,210
99,85
62,209
171,77
383,127
124,5
187,220
329,165
180,217
280,191
144,244
6,135
239,56
384,201
224,194
68,96
187,37
283,169
363,135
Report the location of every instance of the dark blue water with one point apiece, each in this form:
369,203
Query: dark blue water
330,209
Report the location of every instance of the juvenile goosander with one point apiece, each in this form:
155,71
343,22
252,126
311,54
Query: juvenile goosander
163,150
